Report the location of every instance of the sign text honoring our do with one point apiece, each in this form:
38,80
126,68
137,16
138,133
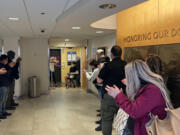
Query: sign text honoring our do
174,32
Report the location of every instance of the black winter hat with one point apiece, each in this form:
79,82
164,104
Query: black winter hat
11,54
3,57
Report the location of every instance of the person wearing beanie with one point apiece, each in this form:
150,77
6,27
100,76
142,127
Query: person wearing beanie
14,75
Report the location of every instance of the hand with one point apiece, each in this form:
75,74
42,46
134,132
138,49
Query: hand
3,71
113,91
124,81
19,59
84,70
99,66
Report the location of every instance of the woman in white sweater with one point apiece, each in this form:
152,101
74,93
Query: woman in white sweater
91,76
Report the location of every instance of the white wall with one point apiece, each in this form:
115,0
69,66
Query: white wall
12,43
1,44
34,62
105,41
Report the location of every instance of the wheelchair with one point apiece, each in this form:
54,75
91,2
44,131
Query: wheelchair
70,80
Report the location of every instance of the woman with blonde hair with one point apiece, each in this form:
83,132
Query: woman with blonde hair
146,93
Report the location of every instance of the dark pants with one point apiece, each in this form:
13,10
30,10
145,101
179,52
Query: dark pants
108,110
10,100
52,77
78,80
3,99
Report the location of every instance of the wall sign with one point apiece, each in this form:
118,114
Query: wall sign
167,33
71,56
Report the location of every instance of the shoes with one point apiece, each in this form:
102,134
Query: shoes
15,104
98,110
99,128
98,115
98,122
3,117
7,114
11,108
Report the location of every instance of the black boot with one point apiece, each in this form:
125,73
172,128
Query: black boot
15,104
2,117
98,110
7,114
99,128
98,122
11,108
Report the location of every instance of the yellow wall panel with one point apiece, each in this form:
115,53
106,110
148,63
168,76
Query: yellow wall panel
65,67
160,19
84,80
81,53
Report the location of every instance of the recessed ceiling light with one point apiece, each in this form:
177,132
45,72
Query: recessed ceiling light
105,6
99,31
76,28
67,40
13,18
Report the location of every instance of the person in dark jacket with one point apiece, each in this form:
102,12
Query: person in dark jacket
14,75
5,81
110,74
102,59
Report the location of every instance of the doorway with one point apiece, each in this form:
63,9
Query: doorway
62,59
55,67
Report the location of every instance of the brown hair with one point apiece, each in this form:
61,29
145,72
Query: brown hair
116,51
94,63
155,64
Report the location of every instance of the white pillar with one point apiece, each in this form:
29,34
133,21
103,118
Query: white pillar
12,43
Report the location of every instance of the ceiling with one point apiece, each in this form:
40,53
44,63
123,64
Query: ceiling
60,16
106,23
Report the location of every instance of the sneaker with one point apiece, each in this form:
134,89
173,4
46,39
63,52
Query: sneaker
99,128
98,115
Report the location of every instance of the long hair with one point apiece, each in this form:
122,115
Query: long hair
155,64
138,71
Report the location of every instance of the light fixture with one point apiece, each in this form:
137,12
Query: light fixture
13,18
67,40
99,31
105,6
76,28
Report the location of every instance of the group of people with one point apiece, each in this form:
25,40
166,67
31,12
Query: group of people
9,72
138,88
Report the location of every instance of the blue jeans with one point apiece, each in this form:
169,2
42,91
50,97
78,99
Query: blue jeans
3,99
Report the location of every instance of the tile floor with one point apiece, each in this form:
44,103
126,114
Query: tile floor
62,112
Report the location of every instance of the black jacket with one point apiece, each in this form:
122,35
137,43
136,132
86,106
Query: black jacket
15,71
5,80
112,73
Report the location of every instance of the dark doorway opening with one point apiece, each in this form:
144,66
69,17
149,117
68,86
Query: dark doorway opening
55,62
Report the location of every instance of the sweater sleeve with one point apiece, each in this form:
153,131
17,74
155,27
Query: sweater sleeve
91,76
144,103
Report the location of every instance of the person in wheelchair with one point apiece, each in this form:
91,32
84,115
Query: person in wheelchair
71,76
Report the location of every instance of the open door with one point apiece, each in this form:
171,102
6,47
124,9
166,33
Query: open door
83,76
